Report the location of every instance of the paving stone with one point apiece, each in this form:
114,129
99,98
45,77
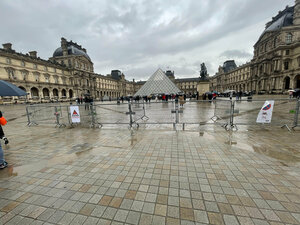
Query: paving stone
230,220
121,215
133,217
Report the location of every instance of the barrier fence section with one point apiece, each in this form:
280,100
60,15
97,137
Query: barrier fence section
202,112
46,114
227,113
153,112
110,114
246,112
297,115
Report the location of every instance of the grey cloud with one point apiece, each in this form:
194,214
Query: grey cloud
136,33
236,54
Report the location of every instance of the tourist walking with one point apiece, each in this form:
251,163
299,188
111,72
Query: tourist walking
3,163
181,100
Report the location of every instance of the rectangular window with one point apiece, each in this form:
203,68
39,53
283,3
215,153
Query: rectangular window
286,65
8,60
287,52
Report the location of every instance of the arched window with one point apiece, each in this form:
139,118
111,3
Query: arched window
288,38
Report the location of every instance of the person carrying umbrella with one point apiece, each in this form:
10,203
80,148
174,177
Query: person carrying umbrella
3,163
6,89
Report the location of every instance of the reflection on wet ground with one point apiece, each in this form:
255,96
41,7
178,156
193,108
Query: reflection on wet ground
201,175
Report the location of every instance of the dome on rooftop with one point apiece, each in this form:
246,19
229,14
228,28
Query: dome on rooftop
283,19
72,50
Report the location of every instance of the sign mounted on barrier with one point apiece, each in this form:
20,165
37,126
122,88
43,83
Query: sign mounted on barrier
75,115
265,114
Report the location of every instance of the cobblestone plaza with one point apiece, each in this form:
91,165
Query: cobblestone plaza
148,176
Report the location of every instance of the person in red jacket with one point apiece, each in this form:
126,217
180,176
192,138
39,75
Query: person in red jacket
3,163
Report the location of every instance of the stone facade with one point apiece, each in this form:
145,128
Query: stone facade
275,67
65,76
231,77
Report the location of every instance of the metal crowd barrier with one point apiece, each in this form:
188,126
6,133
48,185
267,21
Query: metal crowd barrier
226,113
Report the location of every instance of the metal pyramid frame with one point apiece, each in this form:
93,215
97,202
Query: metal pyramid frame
158,83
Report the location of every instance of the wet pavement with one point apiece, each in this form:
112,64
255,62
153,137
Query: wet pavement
153,175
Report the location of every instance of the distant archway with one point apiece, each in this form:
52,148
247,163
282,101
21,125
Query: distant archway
21,87
46,92
34,92
297,81
63,93
55,92
70,93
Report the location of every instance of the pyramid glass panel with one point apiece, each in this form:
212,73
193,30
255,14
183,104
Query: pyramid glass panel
158,83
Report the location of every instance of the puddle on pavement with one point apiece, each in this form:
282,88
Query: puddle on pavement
60,159
285,156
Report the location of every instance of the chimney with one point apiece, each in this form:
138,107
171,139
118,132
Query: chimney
64,46
133,80
7,46
33,54
84,50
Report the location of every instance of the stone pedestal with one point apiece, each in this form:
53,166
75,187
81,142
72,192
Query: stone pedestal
203,87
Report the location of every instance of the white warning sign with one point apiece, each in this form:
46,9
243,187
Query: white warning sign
75,115
265,114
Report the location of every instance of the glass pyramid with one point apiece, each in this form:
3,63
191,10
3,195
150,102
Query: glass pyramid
158,83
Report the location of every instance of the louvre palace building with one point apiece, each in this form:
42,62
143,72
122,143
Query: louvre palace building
68,74
275,66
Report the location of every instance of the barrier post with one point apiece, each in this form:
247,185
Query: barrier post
57,114
130,113
144,110
28,116
92,114
296,118
231,117
176,111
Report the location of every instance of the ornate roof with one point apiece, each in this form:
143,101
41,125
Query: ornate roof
73,49
282,19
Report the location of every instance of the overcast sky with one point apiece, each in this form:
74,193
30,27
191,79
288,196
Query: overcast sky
139,36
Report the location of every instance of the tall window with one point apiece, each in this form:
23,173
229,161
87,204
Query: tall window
22,63
8,60
286,65
275,42
288,38
34,66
